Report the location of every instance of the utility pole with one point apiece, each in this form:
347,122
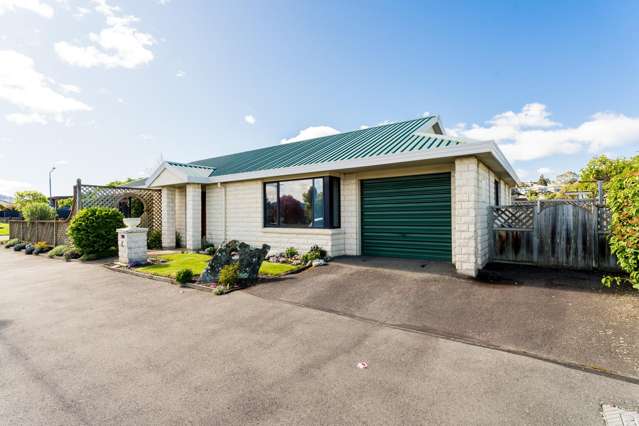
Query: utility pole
50,194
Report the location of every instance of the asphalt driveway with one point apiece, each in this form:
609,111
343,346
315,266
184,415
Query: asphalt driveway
80,344
543,316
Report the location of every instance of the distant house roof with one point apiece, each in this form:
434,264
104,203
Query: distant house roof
405,136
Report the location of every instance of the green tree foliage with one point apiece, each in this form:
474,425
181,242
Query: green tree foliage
623,200
117,183
66,202
543,180
93,230
23,198
38,211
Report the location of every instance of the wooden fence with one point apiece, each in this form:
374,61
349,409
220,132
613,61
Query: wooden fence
556,233
54,232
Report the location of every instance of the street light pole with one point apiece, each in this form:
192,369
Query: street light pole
50,194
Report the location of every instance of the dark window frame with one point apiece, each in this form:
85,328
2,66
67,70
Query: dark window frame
332,216
497,191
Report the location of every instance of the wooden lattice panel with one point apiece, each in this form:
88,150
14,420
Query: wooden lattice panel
582,204
513,217
105,196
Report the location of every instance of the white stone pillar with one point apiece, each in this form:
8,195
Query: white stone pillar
132,246
180,213
193,216
466,250
168,218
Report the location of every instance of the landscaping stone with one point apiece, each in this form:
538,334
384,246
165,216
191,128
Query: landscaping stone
319,262
249,259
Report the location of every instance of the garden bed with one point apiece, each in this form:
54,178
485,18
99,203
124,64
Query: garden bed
169,264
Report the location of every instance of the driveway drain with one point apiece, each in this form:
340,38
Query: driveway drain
615,416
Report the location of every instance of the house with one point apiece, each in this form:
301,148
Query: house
400,190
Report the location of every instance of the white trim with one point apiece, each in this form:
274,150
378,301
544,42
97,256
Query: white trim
476,148
310,231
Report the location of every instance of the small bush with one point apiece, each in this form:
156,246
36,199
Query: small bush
57,251
229,275
19,246
12,242
93,230
221,289
210,251
41,247
316,252
154,239
28,249
184,276
72,252
291,252
38,211
206,244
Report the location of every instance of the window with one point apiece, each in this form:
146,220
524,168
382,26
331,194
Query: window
302,203
496,192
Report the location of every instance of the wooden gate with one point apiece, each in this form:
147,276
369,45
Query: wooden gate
555,233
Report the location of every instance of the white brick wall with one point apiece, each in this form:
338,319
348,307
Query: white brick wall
215,214
180,213
132,246
168,220
193,216
465,249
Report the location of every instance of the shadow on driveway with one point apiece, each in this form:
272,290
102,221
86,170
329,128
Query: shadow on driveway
593,329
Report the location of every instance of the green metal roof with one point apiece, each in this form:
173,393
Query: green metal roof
377,141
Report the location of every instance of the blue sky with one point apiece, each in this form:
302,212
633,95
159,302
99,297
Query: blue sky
104,88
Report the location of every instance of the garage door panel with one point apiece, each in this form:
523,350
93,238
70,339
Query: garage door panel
407,217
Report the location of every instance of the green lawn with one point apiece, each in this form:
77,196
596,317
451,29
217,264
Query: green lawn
4,229
197,263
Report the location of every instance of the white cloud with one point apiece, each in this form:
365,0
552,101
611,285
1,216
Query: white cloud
164,2
26,88
69,88
180,74
10,187
35,6
80,12
117,45
530,134
311,133
363,126
544,170
20,119
146,137
249,119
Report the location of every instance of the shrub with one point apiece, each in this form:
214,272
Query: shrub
184,276
38,211
206,244
19,246
24,198
210,250
316,252
72,252
41,247
623,201
154,239
220,290
229,275
93,230
57,251
12,242
291,252
28,249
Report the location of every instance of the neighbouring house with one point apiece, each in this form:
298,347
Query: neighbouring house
399,190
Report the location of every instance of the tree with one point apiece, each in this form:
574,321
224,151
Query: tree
544,181
117,183
65,202
603,168
24,198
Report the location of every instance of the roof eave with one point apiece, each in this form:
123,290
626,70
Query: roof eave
488,151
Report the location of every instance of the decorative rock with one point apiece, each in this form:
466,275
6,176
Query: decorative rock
319,262
249,260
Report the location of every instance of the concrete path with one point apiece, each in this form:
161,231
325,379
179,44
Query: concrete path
83,345
593,329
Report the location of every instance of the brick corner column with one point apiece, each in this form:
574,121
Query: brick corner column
466,250
193,216
168,218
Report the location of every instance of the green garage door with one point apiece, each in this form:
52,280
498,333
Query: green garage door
407,217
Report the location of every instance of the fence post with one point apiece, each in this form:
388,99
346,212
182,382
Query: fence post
536,231
595,233
78,196
55,233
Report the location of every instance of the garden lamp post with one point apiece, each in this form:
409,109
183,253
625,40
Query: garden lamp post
50,194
